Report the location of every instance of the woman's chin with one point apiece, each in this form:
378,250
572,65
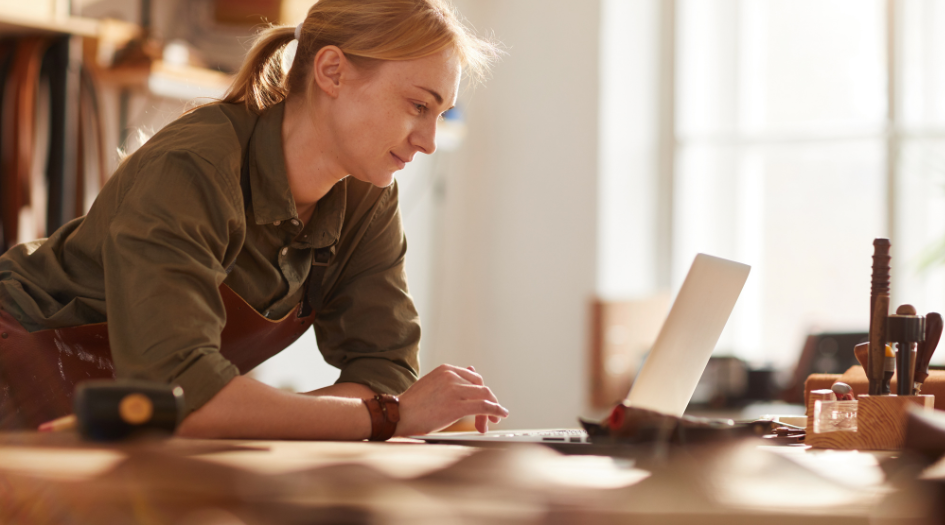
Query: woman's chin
381,180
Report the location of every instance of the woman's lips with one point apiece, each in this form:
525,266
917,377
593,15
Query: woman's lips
400,162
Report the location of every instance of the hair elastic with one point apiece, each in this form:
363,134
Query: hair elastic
298,30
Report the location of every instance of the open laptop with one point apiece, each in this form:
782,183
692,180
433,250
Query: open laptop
675,363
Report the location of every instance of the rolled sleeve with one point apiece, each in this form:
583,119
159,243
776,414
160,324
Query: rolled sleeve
208,373
368,326
163,259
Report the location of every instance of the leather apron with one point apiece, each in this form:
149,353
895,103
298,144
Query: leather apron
39,370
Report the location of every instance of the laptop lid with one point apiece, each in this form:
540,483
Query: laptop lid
682,349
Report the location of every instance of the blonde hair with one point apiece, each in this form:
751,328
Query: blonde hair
366,31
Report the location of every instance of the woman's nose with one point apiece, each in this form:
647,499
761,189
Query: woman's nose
424,137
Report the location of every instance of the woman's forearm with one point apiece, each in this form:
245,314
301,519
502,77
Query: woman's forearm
352,390
246,408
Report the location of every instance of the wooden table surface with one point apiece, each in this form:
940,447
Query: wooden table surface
56,478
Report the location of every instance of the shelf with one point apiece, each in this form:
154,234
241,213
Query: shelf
184,82
12,24
187,82
166,80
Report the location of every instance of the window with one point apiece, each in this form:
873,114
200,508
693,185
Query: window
793,133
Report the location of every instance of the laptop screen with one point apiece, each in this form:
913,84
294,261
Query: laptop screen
682,349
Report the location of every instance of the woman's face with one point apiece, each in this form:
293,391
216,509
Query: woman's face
386,115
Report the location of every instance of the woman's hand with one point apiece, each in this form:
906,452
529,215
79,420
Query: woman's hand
445,395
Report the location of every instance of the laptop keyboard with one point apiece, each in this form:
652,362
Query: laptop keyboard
572,435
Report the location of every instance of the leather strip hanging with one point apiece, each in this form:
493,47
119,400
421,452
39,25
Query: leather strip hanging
6,57
16,151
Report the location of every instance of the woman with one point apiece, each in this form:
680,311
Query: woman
220,240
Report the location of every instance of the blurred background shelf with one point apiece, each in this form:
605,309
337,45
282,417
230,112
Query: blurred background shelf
167,80
16,20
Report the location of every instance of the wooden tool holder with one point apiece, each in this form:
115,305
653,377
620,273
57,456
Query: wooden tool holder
881,423
881,419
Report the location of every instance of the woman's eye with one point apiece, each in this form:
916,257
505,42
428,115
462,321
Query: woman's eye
420,108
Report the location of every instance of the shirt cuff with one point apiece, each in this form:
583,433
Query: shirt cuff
380,375
204,378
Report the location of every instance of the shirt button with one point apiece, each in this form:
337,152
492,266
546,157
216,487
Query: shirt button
277,223
295,222
285,251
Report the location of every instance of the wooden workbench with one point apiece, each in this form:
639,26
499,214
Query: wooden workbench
58,479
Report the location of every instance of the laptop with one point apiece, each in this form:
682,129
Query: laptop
675,363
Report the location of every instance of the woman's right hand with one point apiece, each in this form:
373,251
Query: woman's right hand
443,396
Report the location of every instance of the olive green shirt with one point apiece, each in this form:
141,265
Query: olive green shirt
170,226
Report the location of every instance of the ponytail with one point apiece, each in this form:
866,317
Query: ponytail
366,31
261,81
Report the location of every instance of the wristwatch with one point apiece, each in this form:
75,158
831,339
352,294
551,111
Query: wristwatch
385,414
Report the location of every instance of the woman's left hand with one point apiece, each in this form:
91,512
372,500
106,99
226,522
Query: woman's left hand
445,395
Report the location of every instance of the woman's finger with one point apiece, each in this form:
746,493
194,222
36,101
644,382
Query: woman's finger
482,407
482,424
494,419
468,375
468,392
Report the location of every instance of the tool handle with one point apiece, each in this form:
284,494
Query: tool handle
933,332
905,367
879,310
862,353
881,270
876,364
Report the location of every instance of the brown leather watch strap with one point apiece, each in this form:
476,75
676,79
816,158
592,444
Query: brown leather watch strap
385,414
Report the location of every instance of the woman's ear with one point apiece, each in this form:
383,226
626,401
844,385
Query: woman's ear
330,64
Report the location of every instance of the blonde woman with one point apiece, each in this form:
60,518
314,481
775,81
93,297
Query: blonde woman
237,226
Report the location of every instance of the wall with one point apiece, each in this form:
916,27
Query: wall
519,215
629,186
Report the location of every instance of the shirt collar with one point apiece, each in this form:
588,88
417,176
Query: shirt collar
272,198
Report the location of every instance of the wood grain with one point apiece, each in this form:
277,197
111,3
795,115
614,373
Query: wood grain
881,422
